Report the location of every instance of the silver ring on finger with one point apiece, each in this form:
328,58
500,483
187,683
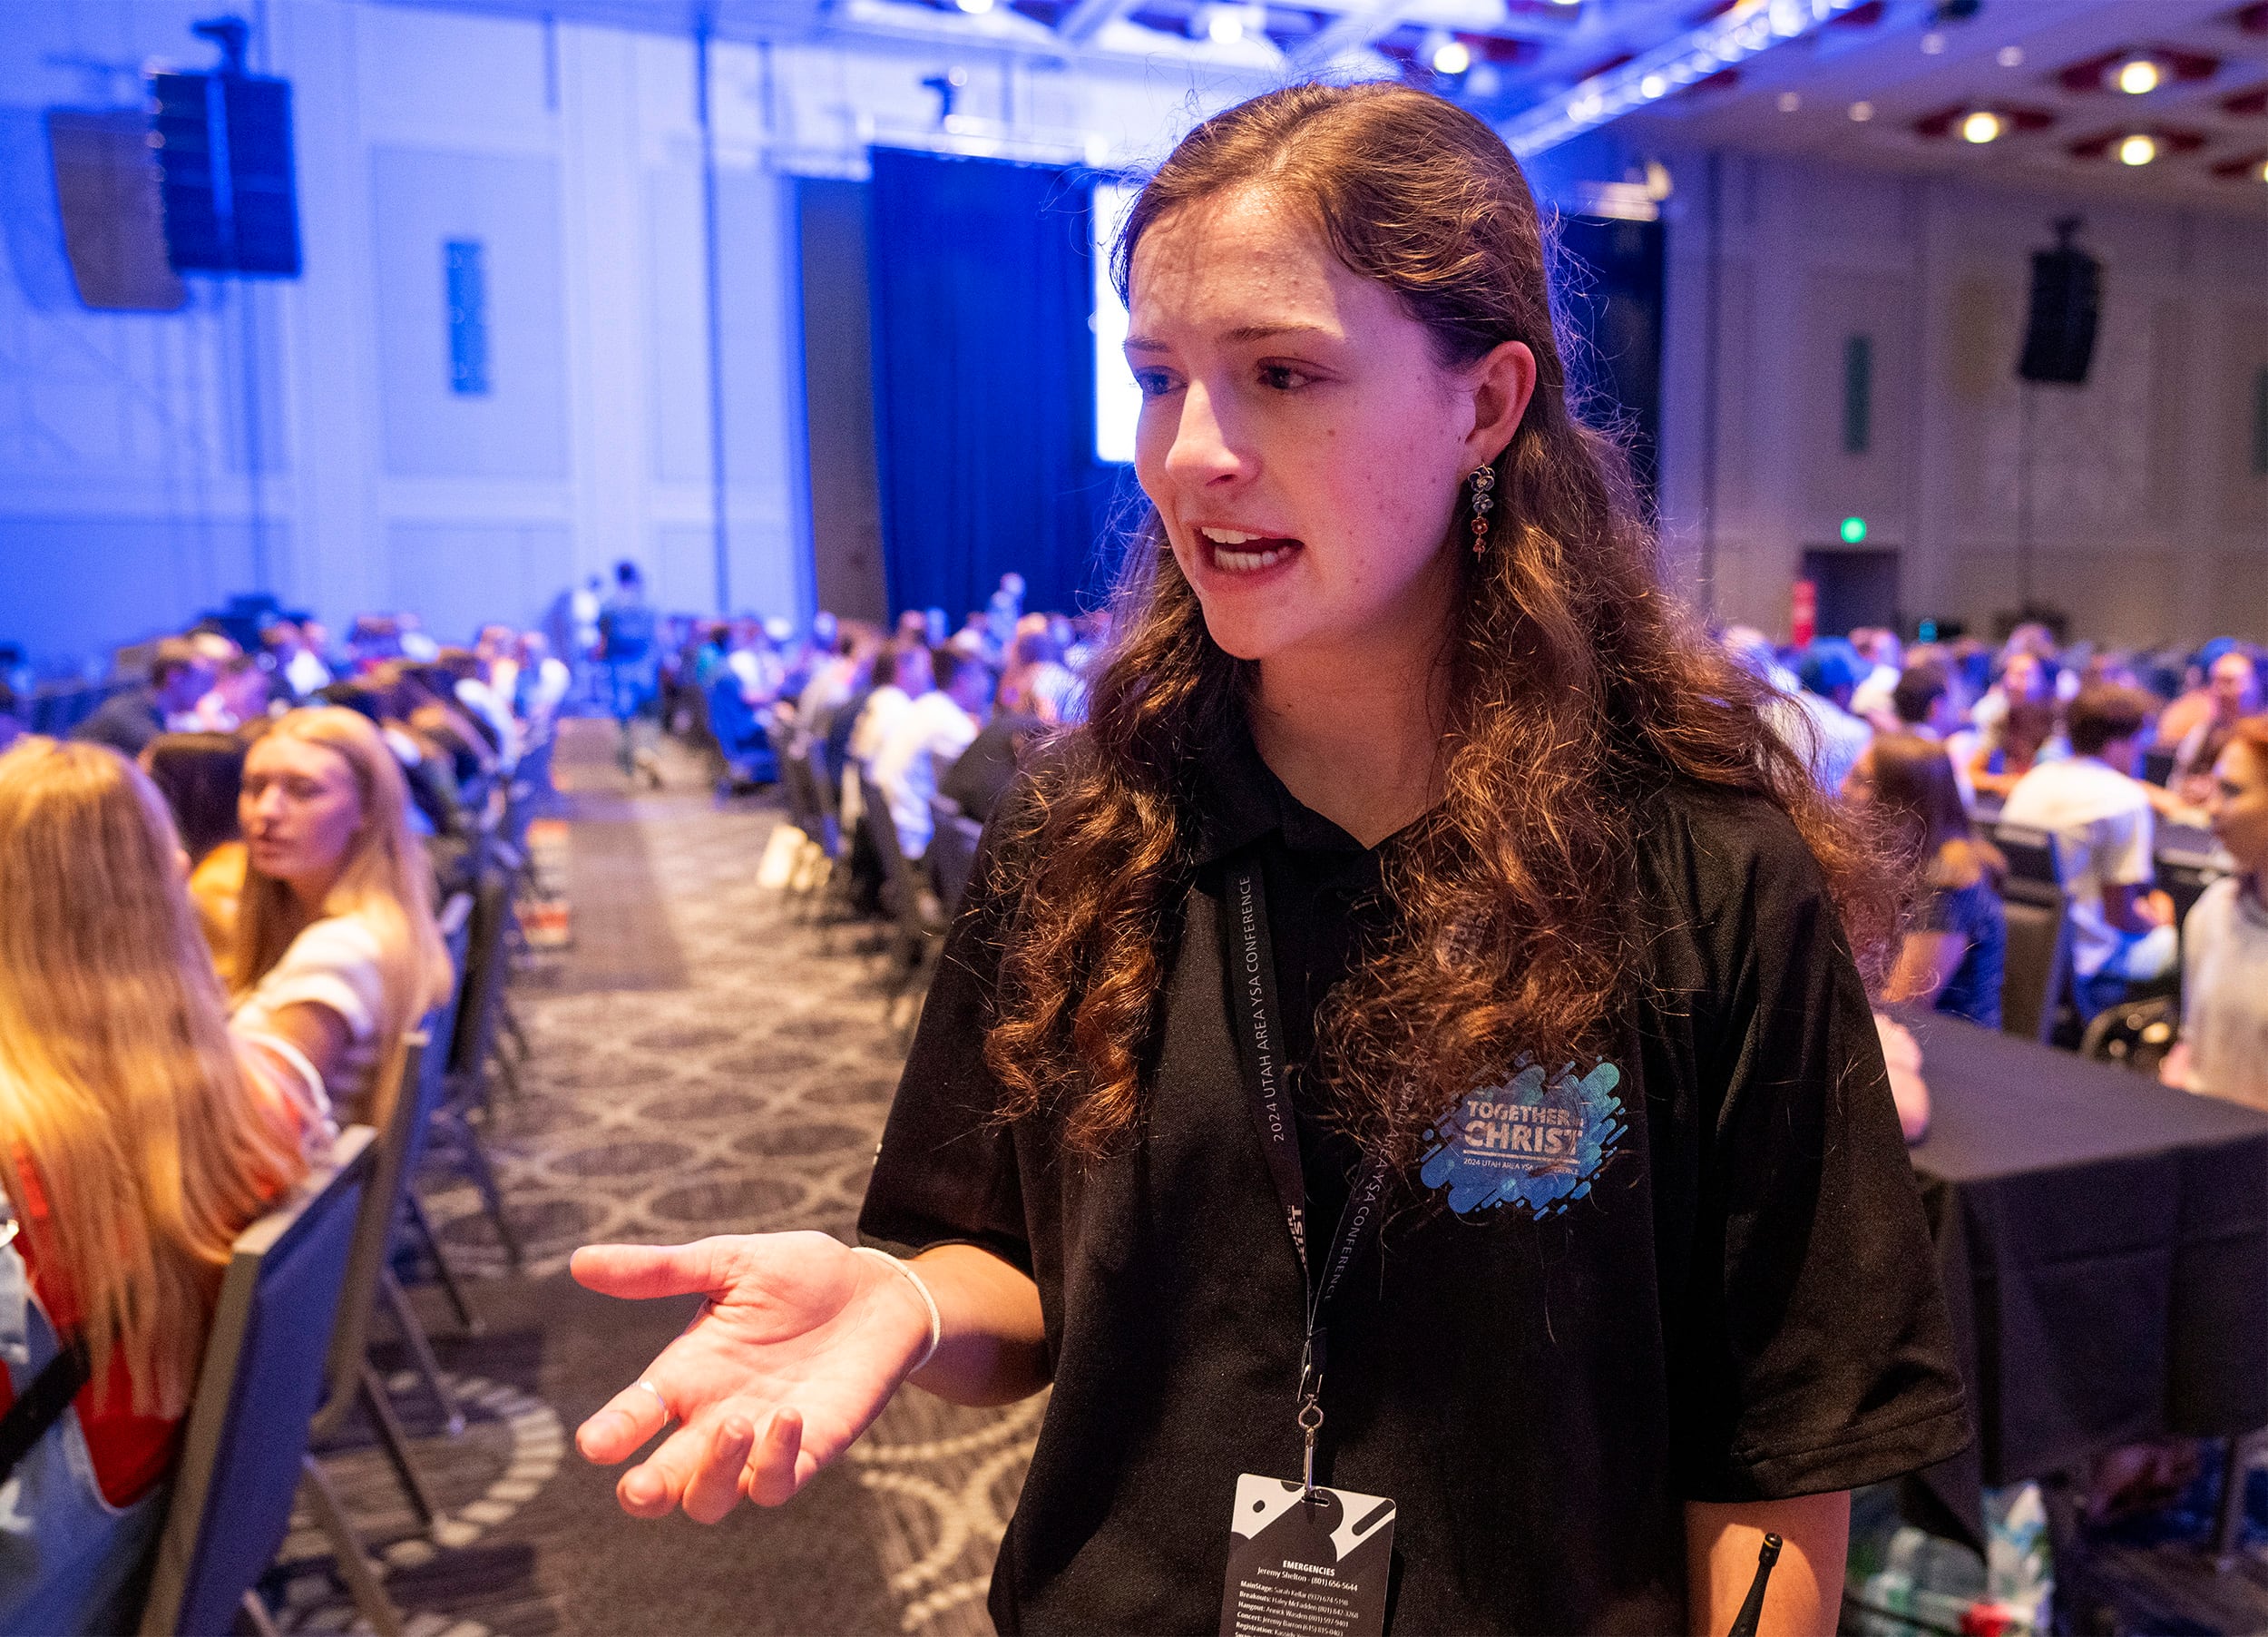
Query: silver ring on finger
666,1415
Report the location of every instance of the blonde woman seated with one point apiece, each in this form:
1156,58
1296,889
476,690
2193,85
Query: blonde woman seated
335,950
137,1139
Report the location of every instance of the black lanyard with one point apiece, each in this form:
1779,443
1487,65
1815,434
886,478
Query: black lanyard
1258,1016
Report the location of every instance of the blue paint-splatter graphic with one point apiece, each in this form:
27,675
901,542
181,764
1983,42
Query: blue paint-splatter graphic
1528,1143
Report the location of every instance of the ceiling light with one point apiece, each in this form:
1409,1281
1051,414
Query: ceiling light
1789,102
2138,150
2264,170
1225,25
2137,77
1652,86
1452,56
1861,112
2011,56
1933,43
975,8
1981,127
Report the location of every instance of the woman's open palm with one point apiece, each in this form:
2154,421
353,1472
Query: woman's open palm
800,1344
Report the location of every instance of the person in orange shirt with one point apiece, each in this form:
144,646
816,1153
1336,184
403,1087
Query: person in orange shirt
138,1137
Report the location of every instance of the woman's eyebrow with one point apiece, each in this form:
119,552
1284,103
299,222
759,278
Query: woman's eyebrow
1242,333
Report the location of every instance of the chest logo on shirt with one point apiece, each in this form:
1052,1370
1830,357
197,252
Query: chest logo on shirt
1535,1142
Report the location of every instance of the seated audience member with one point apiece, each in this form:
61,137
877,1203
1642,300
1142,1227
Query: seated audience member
239,694
480,704
2122,933
2232,686
1922,701
180,676
336,949
1884,657
300,669
906,672
438,806
2193,704
1952,957
1830,669
1037,682
934,729
201,778
2224,1047
2025,674
373,640
980,776
2026,736
142,1137
544,681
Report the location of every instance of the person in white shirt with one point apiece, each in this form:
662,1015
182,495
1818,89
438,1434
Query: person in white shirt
908,672
1831,672
2224,1047
2122,933
931,732
335,950
1871,700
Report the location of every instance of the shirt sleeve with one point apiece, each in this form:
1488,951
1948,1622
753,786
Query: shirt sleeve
2122,845
1816,1350
946,1172
333,964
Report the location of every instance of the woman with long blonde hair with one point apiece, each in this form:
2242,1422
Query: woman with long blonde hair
137,1139
336,948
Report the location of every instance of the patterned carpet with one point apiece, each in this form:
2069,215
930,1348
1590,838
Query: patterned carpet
703,1062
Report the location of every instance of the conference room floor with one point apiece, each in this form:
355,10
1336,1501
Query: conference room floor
705,1061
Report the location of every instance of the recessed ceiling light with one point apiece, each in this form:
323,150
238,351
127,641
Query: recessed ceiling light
2138,150
1933,42
1225,25
1453,56
1789,102
2264,170
1861,112
1981,127
2011,56
1653,85
975,8
2137,77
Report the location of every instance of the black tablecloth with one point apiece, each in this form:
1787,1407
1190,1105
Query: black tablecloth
2104,1246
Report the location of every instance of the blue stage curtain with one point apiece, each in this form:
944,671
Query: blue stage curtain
983,370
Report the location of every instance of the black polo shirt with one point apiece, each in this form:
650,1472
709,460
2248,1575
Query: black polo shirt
1735,1302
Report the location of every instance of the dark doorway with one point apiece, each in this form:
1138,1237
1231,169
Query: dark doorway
1855,587
838,395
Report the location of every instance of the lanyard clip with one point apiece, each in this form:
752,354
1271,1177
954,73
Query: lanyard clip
1310,1423
1312,1355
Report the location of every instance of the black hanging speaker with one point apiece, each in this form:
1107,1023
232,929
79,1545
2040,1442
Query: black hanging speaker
2066,299
224,163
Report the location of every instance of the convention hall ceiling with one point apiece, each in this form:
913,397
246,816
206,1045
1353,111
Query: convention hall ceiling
2144,99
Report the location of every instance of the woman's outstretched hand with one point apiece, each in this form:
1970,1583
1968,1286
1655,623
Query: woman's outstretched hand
797,1348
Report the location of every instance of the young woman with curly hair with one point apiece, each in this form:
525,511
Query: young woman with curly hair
1415,1025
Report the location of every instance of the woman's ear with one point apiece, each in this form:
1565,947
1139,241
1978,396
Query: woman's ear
1501,384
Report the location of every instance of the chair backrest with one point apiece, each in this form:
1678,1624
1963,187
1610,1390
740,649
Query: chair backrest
374,1233
480,989
825,796
897,876
2036,967
2033,860
952,851
247,1431
430,1083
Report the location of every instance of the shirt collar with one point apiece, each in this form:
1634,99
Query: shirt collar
1240,801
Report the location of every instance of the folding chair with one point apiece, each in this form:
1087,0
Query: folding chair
432,1083
915,916
472,1049
2037,969
347,1368
952,852
244,1450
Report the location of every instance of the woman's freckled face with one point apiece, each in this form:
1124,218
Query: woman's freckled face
1290,399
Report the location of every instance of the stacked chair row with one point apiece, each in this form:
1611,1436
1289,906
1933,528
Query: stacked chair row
287,1363
918,903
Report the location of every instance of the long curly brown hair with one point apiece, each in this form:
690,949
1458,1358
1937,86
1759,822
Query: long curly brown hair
1577,688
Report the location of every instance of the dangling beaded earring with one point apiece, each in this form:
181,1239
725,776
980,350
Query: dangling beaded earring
1483,481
